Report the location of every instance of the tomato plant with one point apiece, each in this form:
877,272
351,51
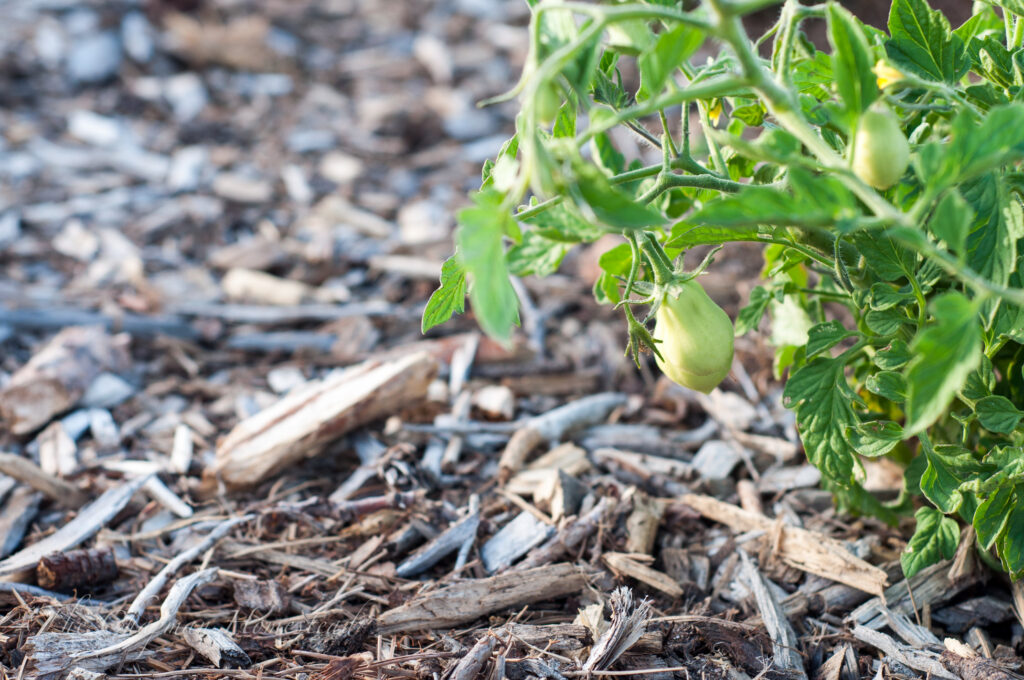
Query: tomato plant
883,178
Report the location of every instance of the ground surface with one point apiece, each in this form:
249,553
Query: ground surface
206,210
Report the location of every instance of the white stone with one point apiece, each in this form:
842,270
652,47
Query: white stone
106,391
187,167
186,95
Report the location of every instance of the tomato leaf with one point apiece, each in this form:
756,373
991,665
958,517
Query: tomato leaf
944,354
851,61
935,539
481,252
823,402
922,42
998,414
449,298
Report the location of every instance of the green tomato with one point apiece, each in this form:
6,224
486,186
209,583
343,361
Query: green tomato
881,153
695,338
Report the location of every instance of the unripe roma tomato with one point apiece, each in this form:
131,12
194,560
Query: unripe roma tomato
880,149
695,338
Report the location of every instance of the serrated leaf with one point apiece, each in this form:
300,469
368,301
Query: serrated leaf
895,355
606,289
616,261
888,385
885,296
935,539
810,200
884,256
750,316
945,353
948,467
605,155
686,235
952,221
536,255
481,252
823,402
449,298
875,438
563,222
992,243
660,60
612,206
825,336
886,322
991,516
998,414
1011,543
851,61
922,42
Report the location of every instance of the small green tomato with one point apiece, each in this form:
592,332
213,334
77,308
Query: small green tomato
881,153
695,338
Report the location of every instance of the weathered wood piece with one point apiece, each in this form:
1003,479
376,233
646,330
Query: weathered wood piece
15,516
303,423
56,377
514,540
24,470
925,661
48,653
628,624
90,520
552,425
806,550
156,584
931,586
76,568
111,654
568,538
785,645
470,666
217,646
452,539
627,565
468,600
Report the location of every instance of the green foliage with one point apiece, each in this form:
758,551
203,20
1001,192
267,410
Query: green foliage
918,354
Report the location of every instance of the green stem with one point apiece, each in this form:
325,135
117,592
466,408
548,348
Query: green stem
718,86
703,181
661,266
784,46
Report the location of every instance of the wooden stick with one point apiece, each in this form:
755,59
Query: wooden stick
27,472
805,550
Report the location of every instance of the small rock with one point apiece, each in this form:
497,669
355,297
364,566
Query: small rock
95,58
107,390
182,449
435,56
92,128
241,188
423,222
49,42
283,378
304,141
295,184
716,459
187,167
186,95
340,168
103,428
76,422
137,36
262,84
496,401
10,228
57,451
261,288
77,242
